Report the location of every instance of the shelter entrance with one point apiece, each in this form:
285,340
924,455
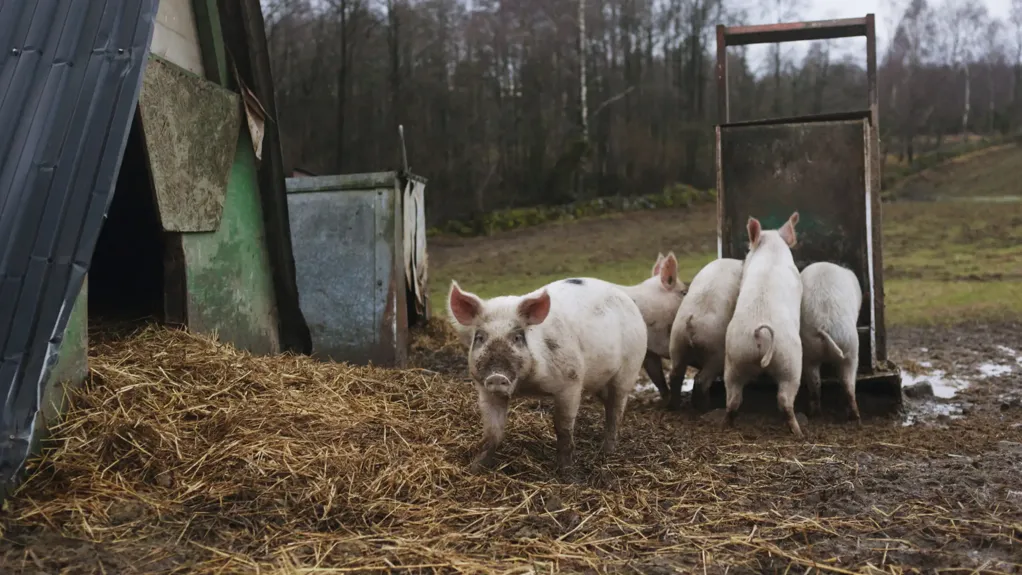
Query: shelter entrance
128,278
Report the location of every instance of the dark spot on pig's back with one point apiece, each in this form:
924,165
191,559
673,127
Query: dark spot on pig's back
572,374
552,344
574,281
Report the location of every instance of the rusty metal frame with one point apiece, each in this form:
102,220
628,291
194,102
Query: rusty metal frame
822,30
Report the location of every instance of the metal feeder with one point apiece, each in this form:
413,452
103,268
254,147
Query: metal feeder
825,166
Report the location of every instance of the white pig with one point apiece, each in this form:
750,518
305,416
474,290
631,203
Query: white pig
567,338
831,299
700,326
763,335
658,299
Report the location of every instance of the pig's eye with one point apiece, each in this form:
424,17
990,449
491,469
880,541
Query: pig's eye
480,337
519,338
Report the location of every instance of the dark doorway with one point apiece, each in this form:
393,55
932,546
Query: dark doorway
126,279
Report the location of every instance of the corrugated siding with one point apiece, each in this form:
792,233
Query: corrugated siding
70,74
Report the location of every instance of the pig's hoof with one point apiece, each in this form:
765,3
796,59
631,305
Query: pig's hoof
609,446
480,463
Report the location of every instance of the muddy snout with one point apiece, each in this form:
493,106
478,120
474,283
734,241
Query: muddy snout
499,384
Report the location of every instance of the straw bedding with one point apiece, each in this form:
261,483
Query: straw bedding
184,455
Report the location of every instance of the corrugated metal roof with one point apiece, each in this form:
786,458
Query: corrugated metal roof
70,74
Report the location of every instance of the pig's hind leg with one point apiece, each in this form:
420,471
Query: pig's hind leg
848,369
735,378
615,398
811,380
788,382
713,367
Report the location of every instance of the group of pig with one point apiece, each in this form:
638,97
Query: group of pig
737,318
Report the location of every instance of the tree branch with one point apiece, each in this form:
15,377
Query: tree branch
610,101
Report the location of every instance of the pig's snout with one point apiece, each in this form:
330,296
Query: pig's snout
499,384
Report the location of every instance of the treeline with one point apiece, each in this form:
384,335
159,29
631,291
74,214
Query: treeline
497,114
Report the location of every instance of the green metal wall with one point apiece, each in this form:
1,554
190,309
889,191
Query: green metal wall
230,288
71,369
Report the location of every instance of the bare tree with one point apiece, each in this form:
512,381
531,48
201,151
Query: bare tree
962,23
778,11
495,94
1016,22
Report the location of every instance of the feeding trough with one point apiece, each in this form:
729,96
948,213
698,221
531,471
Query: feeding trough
827,167
359,243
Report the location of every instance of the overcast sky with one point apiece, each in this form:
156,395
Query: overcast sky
886,14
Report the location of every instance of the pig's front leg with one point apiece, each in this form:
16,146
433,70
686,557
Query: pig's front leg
565,410
655,370
493,409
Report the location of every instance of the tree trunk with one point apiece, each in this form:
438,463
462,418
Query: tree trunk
582,104
968,95
342,89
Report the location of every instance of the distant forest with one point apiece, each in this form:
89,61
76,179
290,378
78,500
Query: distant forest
500,110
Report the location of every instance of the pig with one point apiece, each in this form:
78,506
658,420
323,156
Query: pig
831,300
763,335
658,299
571,337
699,328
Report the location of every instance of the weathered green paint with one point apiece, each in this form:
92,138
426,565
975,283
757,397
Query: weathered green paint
191,129
71,370
211,41
229,282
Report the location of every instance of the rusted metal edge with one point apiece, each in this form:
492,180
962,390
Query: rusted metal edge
795,31
830,117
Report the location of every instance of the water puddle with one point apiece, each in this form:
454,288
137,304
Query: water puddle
944,387
927,411
1011,353
994,369
646,386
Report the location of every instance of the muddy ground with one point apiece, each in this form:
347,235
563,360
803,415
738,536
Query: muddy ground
958,457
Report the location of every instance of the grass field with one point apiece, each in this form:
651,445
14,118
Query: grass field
952,252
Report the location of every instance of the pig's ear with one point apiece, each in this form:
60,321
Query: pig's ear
534,309
754,229
787,231
669,271
463,306
659,262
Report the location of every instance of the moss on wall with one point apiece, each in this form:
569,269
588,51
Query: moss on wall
229,282
70,371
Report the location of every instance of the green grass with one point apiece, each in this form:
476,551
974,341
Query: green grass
944,261
628,272
987,173
928,302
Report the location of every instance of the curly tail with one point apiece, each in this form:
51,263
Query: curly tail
829,343
688,331
769,353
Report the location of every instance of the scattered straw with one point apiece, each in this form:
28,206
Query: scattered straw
185,455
